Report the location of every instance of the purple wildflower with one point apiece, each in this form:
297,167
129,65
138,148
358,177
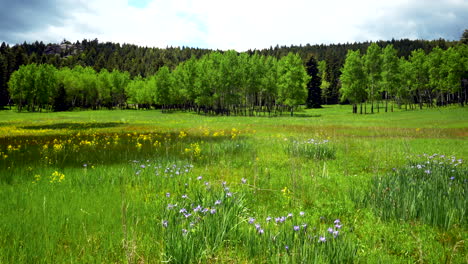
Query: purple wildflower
337,221
243,180
229,194
268,219
330,230
184,196
217,202
213,211
251,220
296,228
322,239
338,226
335,234
164,223
261,231
301,213
183,211
168,195
196,209
199,178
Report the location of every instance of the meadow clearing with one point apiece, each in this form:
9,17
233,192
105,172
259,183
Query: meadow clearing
324,186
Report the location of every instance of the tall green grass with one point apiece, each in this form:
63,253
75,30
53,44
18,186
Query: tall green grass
433,189
102,187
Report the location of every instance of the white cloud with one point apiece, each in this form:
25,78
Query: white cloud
249,24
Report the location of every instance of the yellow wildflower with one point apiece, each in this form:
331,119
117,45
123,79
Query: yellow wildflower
182,134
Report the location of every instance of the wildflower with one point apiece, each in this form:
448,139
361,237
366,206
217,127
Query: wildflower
290,215
280,219
85,165
196,209
184,196
199,178
337,221
322,239
261,231
184,231
330,230
243,180
170,206
452,178
301,213
427,171
183,211
168,195
188,215
304,226
335,234
418,166
286,247
142,166
213,211
217,202
164,223
338,226
251,220
257,226
268,219
296,228
205,210
229,194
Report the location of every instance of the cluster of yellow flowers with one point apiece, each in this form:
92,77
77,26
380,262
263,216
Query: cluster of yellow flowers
182,134
194,150
234,133
57,177
13,148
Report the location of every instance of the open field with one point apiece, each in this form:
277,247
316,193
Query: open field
325,186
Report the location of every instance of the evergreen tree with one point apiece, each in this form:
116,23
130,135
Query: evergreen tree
60,102
314,93
4,95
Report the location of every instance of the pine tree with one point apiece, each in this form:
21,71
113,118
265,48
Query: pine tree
314,93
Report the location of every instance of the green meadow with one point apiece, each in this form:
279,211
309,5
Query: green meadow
323,186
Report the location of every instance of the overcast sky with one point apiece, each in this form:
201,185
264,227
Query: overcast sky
229,24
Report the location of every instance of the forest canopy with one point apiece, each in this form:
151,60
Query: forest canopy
90,74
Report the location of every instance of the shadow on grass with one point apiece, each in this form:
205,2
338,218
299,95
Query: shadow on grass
75,126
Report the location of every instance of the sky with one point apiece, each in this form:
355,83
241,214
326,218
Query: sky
230,24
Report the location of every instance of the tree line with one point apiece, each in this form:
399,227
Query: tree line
437,78
217,83
145,61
